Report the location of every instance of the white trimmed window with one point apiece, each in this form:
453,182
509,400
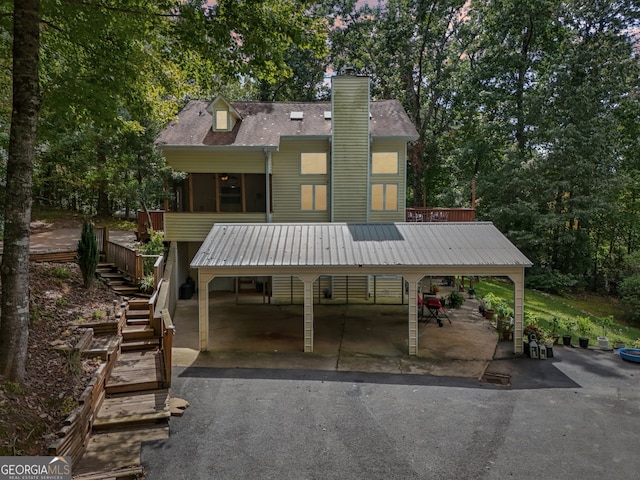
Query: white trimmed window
222,120
313,198
313,163
384,163
384,196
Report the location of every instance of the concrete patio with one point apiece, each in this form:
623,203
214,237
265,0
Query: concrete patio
369,338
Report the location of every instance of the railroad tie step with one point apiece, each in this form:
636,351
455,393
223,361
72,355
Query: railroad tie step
131,332
142,344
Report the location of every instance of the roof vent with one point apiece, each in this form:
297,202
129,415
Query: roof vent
327,114
296,115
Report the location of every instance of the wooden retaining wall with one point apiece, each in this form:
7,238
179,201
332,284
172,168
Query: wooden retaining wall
73,436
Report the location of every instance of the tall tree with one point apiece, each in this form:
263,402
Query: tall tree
413,50
14,269
98,59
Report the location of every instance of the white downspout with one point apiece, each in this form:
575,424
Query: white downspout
267,155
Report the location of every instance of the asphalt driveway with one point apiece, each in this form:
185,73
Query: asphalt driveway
574,416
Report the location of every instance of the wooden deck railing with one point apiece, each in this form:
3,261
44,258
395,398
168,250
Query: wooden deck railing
161,318
158,272
440,214
102,238
157,221
126,260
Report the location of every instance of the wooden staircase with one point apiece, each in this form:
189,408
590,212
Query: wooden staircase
115,279
136,403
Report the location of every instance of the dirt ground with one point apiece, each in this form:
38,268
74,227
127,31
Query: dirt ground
30,414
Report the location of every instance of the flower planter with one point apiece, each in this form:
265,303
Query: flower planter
488,313
584,342
603,342
566,340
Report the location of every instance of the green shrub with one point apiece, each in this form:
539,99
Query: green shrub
61,273
155,246
583,325
630,296
88,254
455,299
147,284
550,281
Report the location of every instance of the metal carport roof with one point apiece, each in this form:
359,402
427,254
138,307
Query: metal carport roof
278,245
308,250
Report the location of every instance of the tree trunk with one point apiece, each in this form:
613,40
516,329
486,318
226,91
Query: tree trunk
14,269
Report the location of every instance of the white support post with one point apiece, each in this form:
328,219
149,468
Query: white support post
203,310
413,314
308,313
518,309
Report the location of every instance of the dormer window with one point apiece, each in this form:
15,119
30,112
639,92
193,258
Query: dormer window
221,120
223,115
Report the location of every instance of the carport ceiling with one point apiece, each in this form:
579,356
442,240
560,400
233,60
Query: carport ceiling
473,248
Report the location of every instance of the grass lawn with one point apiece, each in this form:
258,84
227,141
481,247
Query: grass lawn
540,309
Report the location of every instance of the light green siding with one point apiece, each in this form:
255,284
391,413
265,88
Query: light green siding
194,227
350,148
398,179
287,290
212,161
287,180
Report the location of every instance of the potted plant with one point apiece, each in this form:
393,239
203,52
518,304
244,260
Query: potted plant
489,300
471,292
555,327
583,325
455,299
605,323
568,326
507,328
548,339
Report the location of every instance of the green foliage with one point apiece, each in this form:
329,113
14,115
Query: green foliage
541,308
583,326
61,273
549,280
455,299
147,284
88,254
502,308
490,300
69,404
61,302
605,324
155,246
13,387
630,294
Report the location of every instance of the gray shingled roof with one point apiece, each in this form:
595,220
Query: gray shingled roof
470,244
263,124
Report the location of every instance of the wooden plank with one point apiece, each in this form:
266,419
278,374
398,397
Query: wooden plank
138,408
141,370
131,332
121,474
116,450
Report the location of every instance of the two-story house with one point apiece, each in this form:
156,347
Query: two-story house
306,203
